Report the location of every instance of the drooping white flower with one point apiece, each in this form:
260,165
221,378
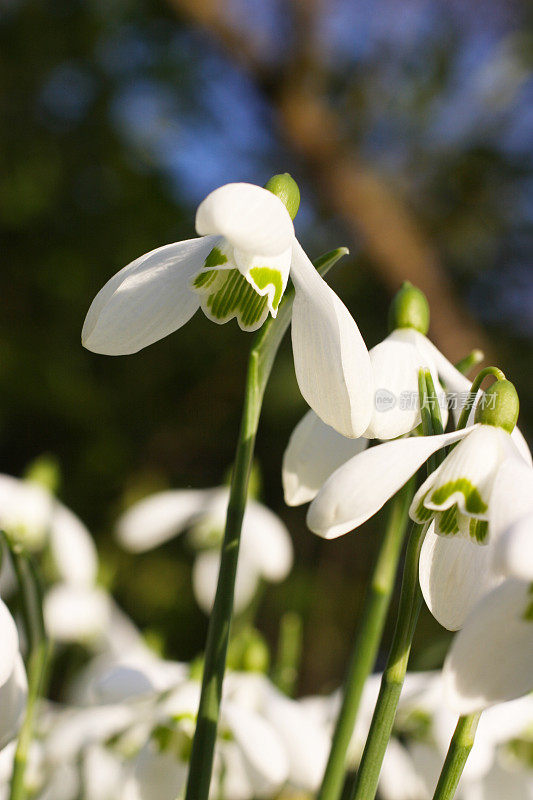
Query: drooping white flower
265,551
33,517
362,485
13,683
239,268
459,498
491,658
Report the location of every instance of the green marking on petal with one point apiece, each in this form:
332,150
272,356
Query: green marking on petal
225,293
266,276
473,501
447,522
204,279
528,614
423,514
478,530
215,258
522,749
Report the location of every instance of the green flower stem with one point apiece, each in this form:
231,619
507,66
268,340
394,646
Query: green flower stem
285,673
367,640
38,650
260,363
458,752
474,389
470,361
366,782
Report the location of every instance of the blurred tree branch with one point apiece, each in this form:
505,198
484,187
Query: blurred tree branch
372,210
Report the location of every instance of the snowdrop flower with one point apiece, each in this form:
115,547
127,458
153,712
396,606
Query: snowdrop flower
361,486
34,518
239,267
454,568
265,552
494,770
396,362
491,658
459,497
13,684
316,450
76,613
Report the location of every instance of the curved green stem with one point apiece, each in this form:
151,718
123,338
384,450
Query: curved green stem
458,752
367,640
32,611
260,364
474,389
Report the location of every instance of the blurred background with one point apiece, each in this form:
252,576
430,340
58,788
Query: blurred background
409,127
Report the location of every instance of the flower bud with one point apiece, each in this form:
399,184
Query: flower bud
286,188
45,471
499,406
409,309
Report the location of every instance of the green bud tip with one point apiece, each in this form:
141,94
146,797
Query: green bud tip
499,406
286,188
409,309
45,471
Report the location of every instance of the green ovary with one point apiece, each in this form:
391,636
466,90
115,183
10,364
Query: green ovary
473,501
265,276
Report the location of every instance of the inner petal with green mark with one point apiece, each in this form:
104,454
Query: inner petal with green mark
267,274
472,501
225,294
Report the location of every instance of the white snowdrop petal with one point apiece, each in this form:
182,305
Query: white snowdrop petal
13,697
265,542
205,576
491,658
506,721
454,574
250,217
314,452
512,495
161,516
25,511
10,643
146,300
330,357
358,489
399,779
76,613
513,551
76,728
267,274
72,547
522,446
103,774
467,475
156,774
306,741
395,365
262,748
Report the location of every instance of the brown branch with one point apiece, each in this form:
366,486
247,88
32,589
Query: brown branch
371,209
